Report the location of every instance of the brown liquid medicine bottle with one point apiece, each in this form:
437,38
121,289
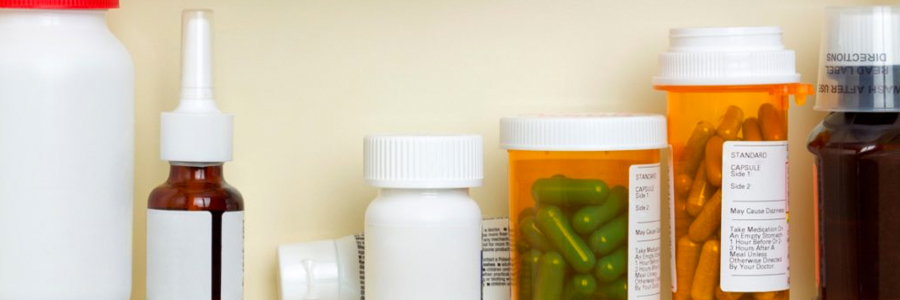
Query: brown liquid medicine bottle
195,220
857,149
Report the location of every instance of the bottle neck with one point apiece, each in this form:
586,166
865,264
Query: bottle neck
424,193
46,18
195,172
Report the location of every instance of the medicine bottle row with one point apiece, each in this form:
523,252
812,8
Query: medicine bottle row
587,191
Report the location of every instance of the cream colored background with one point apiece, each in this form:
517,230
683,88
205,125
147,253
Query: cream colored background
308,79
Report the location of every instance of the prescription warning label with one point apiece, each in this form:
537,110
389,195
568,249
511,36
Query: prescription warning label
644,232
754,217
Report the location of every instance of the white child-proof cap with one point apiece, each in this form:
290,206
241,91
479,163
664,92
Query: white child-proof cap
583,132
859,59
196,131
423,161
726,56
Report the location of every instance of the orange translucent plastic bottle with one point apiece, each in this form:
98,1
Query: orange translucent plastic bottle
728,94
584,205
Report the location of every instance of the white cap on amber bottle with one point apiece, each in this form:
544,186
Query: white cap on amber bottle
196,131
726,56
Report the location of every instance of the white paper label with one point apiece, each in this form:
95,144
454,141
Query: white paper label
674,273
495,261
644,232
179,255
754,217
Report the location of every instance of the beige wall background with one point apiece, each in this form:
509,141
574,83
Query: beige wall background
308,79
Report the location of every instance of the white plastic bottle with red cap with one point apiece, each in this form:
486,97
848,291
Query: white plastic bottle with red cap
66,152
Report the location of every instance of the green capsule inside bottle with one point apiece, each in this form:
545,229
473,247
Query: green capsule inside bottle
527,273
610,236
555,226
551,273
580,287
589,218
611,267
564,191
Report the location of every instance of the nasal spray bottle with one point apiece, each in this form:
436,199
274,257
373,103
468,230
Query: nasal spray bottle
195,220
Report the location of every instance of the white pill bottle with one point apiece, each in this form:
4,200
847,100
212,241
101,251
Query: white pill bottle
423,231
66,152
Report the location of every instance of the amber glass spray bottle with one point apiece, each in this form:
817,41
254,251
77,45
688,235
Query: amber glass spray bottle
195,220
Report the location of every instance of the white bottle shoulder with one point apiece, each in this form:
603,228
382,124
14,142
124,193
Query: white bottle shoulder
423,209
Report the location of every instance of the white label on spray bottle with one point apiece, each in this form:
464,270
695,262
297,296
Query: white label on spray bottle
644,232
754,217
179,255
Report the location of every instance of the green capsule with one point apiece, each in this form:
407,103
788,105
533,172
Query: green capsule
533,234
613,266
528,212
580,287
527,273
589,218
555,226
548,284
610,236
616,290
561,190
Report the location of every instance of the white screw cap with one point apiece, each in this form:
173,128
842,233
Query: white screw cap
423,161
583,132
726,56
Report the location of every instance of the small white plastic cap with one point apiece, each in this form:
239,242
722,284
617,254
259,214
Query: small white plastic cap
309,271
859,59
196,131
726,56
583,132
423,161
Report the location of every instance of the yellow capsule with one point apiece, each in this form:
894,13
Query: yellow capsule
682,219
714,160
723,295
687,254
708,220
765,295
751,130
771,123
706,279
731,123
700,192
683,183
692,154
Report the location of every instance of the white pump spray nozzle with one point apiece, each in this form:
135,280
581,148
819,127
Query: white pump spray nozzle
196,131
196,56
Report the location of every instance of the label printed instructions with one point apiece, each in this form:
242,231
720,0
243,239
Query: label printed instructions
644,232
754,217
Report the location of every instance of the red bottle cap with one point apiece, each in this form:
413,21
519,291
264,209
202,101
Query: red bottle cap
60,4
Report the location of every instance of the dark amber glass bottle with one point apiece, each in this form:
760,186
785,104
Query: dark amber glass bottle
198,187
858,209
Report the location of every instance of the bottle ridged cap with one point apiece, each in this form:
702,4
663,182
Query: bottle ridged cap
423,161
60,4
726,56
859,59
583,132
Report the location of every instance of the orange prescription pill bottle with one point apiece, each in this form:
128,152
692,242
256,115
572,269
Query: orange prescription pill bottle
585,205
729,90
